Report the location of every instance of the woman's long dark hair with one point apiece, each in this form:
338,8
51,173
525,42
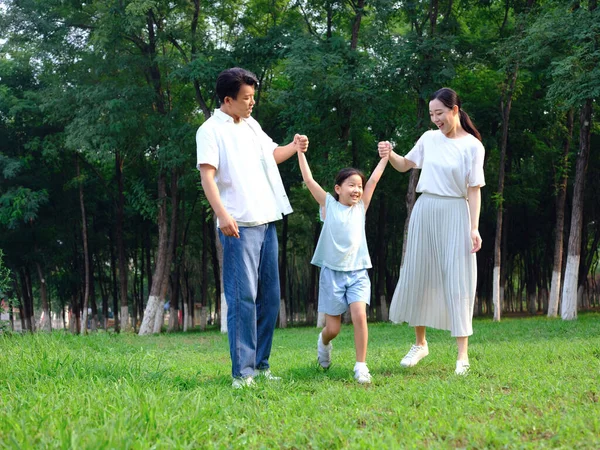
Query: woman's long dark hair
450,98
346,173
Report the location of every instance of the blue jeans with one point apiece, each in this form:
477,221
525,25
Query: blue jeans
251,280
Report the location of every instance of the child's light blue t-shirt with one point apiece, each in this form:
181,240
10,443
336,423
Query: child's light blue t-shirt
343,243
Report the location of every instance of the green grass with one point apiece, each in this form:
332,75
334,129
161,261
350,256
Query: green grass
534,383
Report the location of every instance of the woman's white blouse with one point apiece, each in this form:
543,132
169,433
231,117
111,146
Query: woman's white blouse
448,166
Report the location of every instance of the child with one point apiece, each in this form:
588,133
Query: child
344,258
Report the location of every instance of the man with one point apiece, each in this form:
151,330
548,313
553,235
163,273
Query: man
238,166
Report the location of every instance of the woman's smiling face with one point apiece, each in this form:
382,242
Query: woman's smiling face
446,119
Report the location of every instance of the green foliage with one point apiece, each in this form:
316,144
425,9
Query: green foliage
533,384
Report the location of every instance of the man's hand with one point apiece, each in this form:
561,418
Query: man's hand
228,226
385,149
301,143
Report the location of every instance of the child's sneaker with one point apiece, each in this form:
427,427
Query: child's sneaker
414,355
462,367
324,353
362,375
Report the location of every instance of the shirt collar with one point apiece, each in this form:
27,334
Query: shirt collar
224,117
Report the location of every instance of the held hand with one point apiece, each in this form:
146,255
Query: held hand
229,226
301,143
476,240
385,149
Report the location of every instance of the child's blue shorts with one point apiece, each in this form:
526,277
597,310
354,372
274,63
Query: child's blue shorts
337,289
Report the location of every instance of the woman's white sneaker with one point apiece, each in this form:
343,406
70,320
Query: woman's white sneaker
462,367
414,355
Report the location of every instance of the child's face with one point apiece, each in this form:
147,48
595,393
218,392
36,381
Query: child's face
351,190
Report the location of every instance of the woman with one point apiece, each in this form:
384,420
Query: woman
439,275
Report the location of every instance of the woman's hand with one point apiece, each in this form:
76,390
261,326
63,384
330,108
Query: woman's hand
476,240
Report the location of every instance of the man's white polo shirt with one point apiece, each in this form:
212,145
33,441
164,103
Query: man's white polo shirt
247,176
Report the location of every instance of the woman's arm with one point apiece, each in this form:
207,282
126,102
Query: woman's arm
372,183
474,197
400,163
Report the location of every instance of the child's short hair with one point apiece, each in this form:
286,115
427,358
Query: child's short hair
346,173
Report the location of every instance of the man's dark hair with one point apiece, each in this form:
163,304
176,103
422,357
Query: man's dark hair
230,81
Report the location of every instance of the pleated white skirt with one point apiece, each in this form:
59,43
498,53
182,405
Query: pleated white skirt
439,276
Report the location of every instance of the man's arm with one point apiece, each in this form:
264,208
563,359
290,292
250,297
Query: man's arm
227,224
283,153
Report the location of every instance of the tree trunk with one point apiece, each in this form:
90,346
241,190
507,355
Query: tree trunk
505,109
411,197
154,301
86,256
30,310
569,293
125,323
104,294
45,323
382,313
313,287
561,196
413,180
115,291
171,248
223,301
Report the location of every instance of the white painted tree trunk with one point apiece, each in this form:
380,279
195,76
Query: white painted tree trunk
282,314
173,319
203,317
125,320
45,324
320,320
385,315
185,317
496,293
554,299
568,307
347,317
223,314
159,319
147,326
532,300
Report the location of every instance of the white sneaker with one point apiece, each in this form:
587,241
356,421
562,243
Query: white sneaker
324,353
363,376
462,367
240,383
414,355
268,375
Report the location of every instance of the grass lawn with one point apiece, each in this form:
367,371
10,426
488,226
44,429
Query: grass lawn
534,383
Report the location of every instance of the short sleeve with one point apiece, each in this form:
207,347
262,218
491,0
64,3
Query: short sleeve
207,150
476,176
416,154
323,209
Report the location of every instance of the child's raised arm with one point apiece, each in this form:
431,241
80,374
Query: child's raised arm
373,180
315,189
